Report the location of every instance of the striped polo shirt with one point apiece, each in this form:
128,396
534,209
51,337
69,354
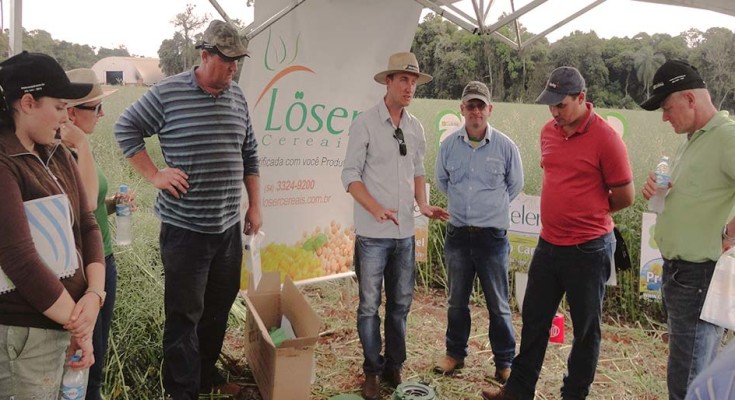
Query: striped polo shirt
208,137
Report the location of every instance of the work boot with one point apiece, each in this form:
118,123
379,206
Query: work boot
392,376
371,387
497,393
502,375
447,365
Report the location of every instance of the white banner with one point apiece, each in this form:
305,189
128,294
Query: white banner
310,74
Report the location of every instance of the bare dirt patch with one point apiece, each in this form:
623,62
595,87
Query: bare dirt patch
632,362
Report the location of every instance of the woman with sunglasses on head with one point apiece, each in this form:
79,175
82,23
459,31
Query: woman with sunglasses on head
84,114
48,314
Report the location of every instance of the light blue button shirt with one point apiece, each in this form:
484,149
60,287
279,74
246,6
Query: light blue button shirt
373,158
479,182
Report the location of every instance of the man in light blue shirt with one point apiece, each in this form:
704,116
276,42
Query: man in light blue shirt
480,170
384,172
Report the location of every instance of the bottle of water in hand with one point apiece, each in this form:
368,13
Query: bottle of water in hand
656,202
124,217
74,381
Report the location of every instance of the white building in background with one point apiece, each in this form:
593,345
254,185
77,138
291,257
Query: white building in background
128,71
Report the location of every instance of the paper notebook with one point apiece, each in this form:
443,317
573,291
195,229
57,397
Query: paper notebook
50,223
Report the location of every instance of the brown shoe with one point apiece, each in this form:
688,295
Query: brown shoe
227,388
502,375
497,393
392,376
447,365
371,387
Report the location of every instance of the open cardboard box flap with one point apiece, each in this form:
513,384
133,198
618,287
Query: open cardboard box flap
271,301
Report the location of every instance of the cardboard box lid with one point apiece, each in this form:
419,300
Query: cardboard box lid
293,305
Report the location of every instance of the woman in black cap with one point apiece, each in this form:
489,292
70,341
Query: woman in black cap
51,260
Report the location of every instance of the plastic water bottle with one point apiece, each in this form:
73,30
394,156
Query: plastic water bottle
124,218
656,202
74,381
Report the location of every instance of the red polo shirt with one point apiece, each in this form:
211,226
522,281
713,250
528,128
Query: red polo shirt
579,171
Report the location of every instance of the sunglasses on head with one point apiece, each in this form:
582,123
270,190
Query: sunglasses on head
398,134
96,108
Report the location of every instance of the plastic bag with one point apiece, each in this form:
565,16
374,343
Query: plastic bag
719,305
251,259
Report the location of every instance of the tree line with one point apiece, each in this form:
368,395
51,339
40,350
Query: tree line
619,71
69,55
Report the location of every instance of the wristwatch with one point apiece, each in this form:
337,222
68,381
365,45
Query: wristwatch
101,294
725,236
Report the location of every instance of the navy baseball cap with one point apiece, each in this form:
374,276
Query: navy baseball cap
562,82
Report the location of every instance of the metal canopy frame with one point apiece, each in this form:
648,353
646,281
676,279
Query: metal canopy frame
478,24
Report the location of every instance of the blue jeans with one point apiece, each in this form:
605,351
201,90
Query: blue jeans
101,334
693,343
481,252
202,278
392,261
580,271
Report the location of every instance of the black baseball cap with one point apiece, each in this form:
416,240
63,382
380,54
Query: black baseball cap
563,82
672,76
40,75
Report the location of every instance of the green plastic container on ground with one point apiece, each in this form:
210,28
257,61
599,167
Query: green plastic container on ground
346,397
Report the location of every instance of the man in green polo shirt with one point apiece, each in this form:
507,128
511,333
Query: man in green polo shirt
689,231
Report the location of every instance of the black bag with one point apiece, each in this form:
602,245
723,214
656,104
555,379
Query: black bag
622,256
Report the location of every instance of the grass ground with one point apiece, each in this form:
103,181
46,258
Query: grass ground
632,361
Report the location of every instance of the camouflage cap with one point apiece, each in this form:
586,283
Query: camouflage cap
224,38
476,90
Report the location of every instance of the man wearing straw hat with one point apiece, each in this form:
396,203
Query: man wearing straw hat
207,139
384,172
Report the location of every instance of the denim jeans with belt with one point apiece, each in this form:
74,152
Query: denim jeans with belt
392,261
693,343
580,271
481,252
101,335
202,278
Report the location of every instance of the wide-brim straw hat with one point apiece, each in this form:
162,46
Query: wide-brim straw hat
403,62
86,75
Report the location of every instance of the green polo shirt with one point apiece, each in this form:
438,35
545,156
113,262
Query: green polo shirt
702,194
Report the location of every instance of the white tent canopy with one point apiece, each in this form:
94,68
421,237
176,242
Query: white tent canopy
477,21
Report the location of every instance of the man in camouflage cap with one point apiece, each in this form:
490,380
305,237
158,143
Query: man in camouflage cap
207,139
224,40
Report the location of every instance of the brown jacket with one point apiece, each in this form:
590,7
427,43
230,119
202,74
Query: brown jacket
25,176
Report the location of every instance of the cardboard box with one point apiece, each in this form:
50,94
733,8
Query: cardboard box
285,372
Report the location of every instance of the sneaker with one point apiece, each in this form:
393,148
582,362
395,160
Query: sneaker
371,387
447,365
497,393
392,376
502,375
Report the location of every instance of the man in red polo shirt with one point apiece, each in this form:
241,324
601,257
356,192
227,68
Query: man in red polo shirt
587,176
